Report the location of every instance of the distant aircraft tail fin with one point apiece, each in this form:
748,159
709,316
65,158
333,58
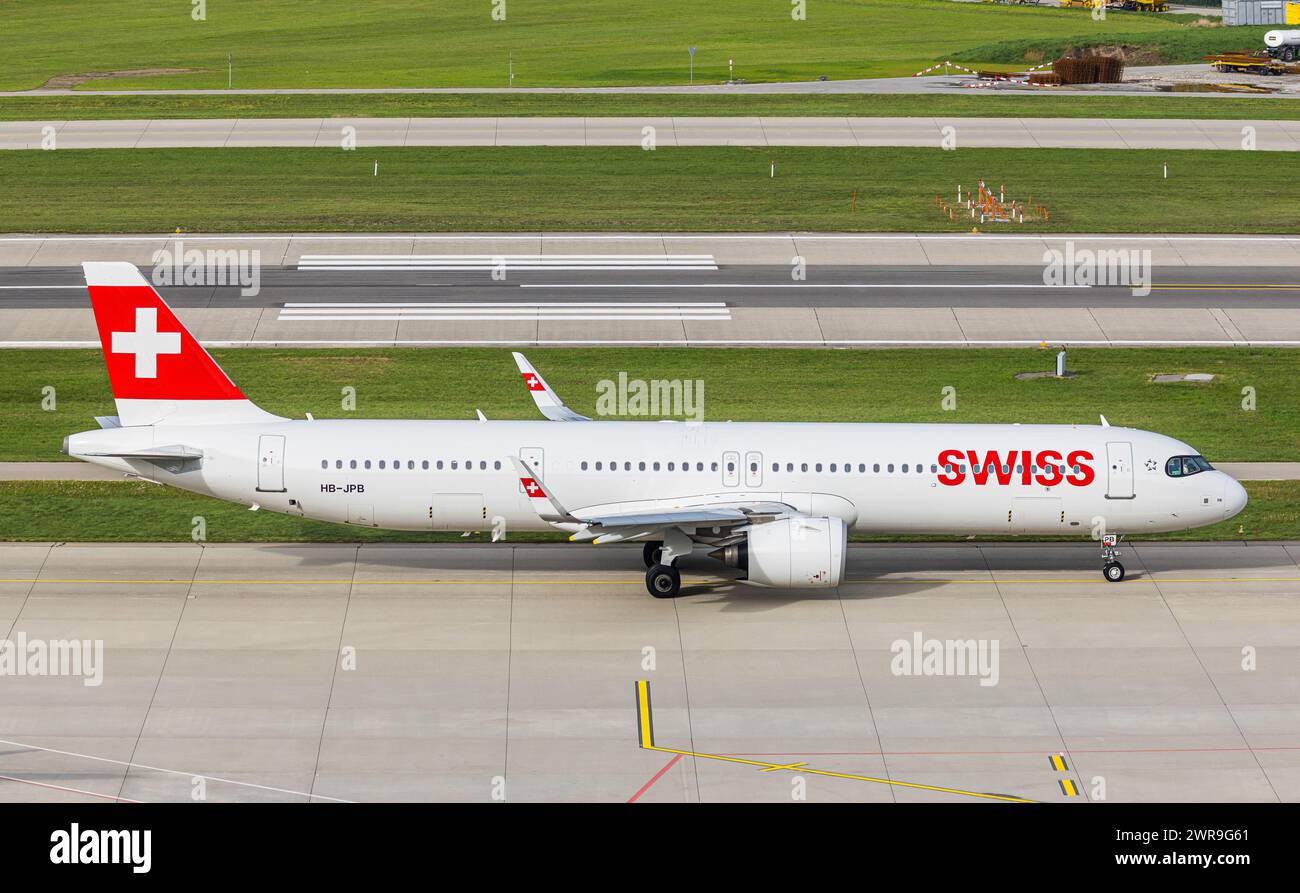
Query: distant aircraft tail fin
158,372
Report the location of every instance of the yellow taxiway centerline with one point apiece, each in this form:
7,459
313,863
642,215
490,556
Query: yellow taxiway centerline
645,727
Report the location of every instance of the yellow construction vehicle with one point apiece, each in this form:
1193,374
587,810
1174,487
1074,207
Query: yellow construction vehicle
1139,5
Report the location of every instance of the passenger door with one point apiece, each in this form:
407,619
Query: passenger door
270,463
1119,470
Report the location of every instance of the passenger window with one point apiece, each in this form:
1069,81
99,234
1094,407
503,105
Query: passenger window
904,468
338,463
875,468
789,466
640,466
731,466
425,465
890,467
440,465
672,467
862,468
352,463
803,466
324,463
655,466
367,463
713,466
819,466
832,466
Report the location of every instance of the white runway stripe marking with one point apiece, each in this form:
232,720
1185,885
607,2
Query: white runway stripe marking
785,285
643,311
469,262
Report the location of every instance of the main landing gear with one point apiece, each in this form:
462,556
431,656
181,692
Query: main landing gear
1111,569
663,581
650,553
661,577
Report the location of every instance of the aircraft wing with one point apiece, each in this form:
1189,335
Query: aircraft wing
548,402
718,516
614,526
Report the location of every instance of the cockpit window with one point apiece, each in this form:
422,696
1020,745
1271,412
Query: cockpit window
1182,466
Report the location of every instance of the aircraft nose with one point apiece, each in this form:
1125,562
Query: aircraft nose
1234,497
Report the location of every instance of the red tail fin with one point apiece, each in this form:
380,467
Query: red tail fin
157,370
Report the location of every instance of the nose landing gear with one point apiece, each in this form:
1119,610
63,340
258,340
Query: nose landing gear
1111,569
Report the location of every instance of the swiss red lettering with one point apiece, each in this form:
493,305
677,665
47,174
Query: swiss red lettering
1085,474
1045,468
950,465
1050,473
992,463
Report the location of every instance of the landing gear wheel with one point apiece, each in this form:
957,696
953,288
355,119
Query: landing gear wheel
650,553
1113,571
663,581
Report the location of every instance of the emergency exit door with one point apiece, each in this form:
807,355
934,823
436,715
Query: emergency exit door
535,458
270,463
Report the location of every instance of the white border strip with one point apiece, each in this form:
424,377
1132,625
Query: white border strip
663,342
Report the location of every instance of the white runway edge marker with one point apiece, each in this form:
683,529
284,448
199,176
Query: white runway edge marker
641,311
470,262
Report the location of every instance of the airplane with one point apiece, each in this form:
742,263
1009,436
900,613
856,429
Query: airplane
774,500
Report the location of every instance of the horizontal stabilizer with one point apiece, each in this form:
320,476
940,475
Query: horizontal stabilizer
162,453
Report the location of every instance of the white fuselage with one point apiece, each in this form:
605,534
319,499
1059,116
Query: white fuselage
880,478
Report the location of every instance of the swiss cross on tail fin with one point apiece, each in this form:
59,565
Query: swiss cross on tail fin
548,403
547,507
156,368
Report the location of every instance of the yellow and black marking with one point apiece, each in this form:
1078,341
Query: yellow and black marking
645,721
1058,762
645,733
1068,787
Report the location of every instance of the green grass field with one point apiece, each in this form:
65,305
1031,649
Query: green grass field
628,189
393,43
109,511
798,385
975,103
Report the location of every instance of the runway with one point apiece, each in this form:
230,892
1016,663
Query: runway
471,672
619,299
948,132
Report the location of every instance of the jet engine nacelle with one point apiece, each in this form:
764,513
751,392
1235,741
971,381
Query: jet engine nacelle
793,553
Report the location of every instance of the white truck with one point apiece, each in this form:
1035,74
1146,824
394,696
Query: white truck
1284,45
